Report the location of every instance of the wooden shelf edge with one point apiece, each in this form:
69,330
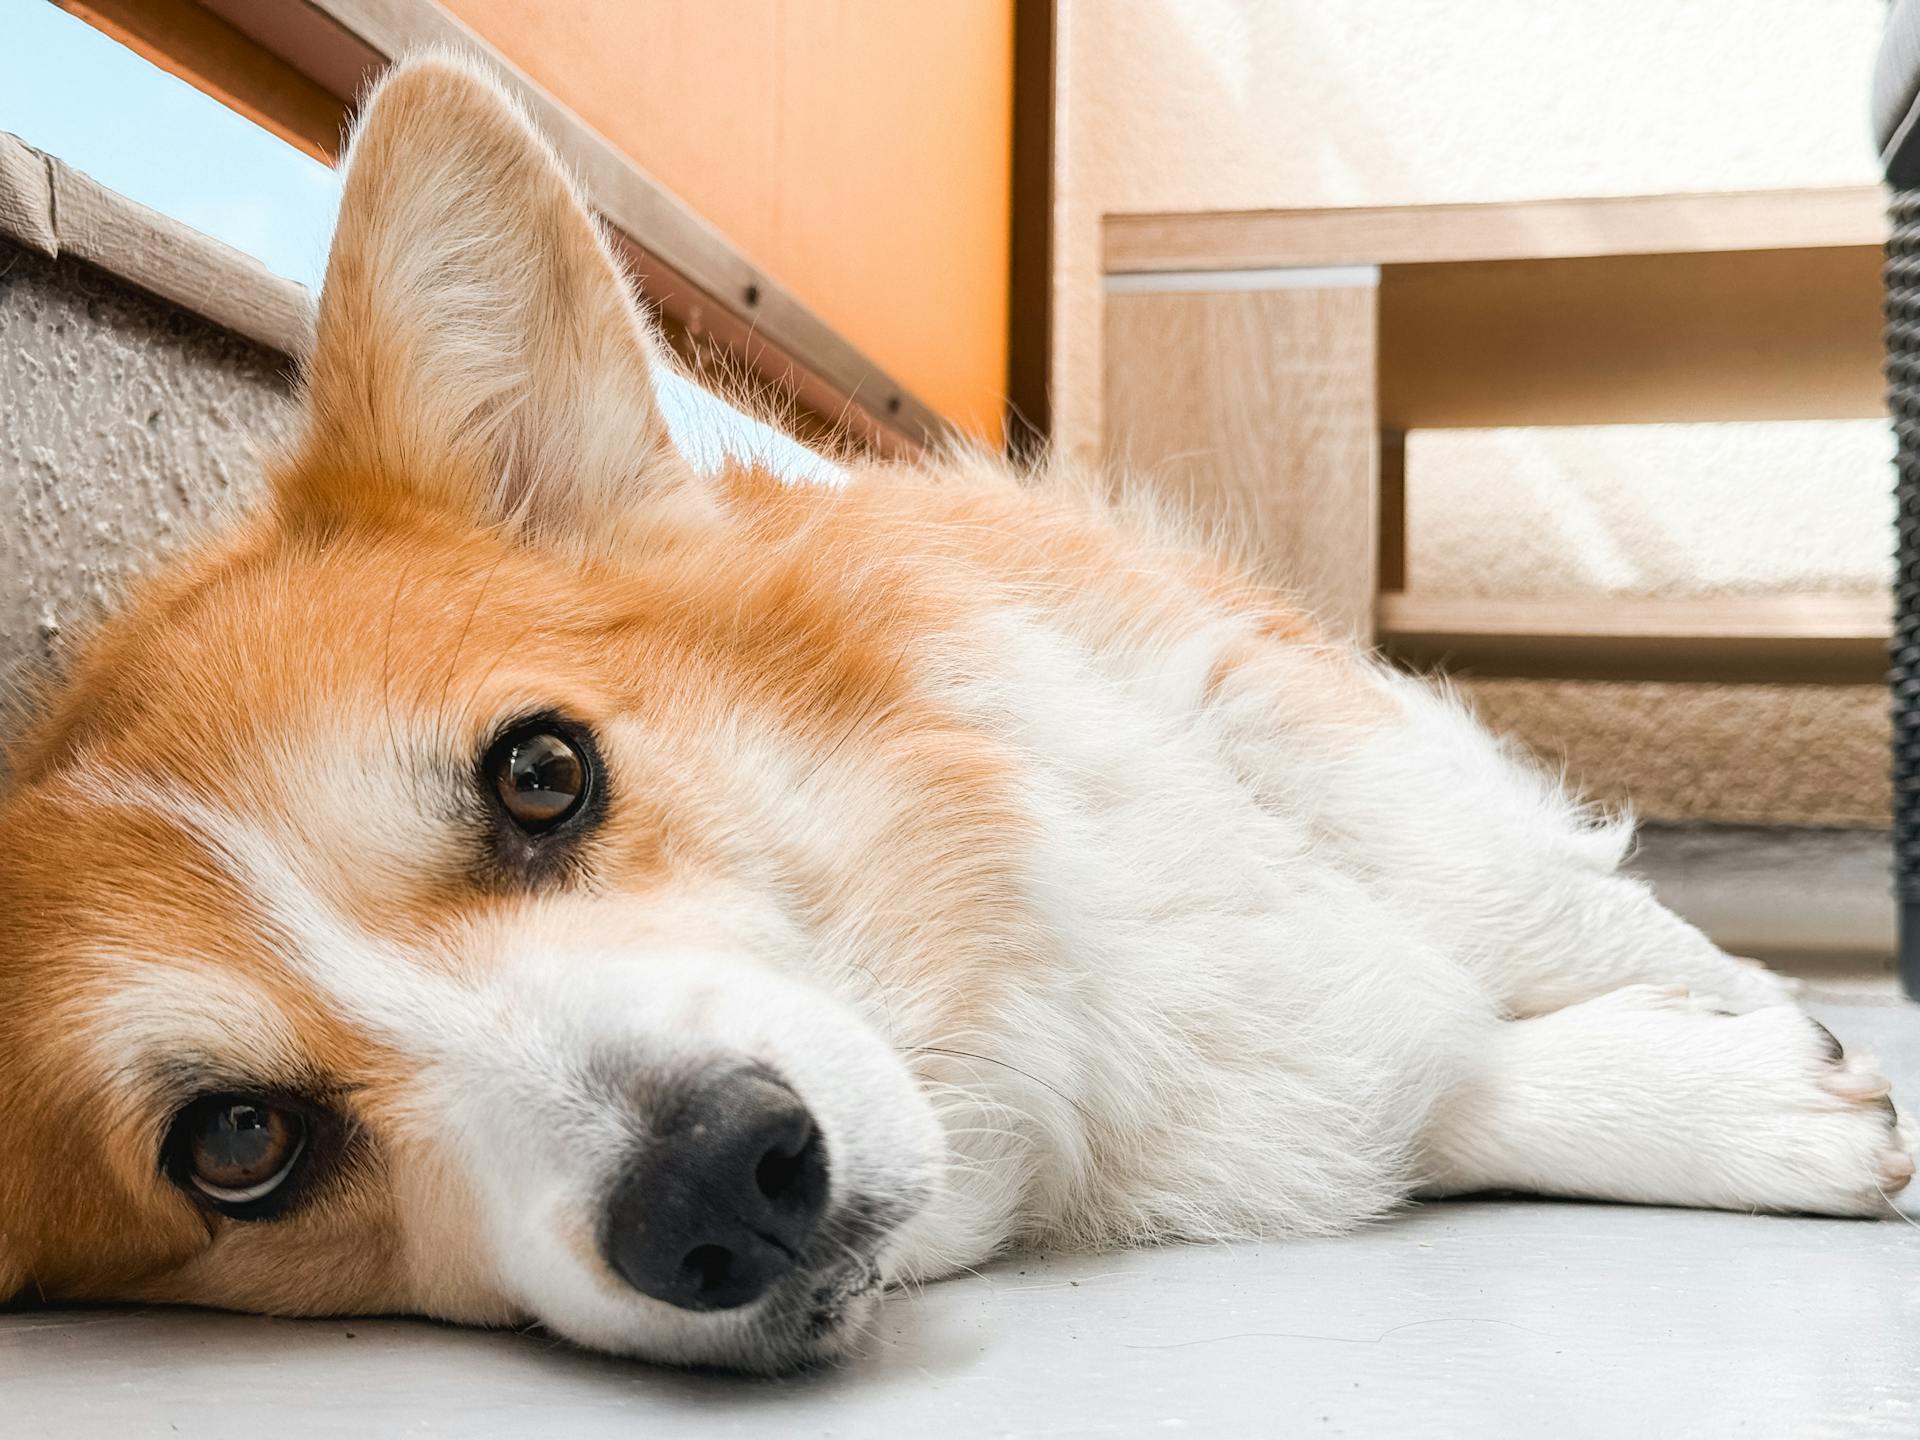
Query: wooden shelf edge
1734,617
1835,217
1795,639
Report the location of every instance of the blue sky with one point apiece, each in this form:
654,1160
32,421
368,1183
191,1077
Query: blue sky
69,90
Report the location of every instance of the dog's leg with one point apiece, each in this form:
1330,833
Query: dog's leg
1606,931
1648,1095
1501,869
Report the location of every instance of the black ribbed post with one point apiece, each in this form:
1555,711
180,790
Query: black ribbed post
1903,396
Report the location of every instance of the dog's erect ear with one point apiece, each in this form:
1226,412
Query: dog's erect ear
477,346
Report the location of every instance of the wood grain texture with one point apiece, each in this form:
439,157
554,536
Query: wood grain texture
1037,99
1738,335
1393,509
1526,229
1259,408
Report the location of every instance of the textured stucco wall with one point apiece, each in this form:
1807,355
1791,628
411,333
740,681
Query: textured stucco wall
1667,510
124,424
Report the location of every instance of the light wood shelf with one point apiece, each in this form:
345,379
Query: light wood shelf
1824,639
1521,230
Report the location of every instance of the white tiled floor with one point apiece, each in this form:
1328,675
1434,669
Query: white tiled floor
1479,1318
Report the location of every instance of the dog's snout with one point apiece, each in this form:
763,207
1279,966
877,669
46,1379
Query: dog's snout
715,1211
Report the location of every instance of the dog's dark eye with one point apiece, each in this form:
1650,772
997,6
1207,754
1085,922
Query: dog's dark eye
545,791
541,777
237,1151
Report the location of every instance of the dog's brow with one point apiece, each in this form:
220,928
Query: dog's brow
162,1024
366,979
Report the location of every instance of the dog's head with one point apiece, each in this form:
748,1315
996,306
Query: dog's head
459,889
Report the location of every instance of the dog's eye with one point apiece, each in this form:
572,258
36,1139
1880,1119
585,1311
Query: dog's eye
540,776
238,1151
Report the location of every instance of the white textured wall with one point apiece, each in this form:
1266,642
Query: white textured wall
1246,104
1668,510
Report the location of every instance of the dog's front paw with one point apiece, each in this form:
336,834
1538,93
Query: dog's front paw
1824,1133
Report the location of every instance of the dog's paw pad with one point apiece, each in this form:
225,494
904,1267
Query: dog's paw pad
1822,1115
1853,1076
1855,1079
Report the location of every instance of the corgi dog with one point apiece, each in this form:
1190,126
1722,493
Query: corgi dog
510,877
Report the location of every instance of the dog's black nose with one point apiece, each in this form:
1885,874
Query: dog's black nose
716,1209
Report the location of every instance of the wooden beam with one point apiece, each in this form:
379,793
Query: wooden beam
1814,639
1269,429
1526,229
724,312
1393,509
715,293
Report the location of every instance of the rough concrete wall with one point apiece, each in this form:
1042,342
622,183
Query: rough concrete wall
125,424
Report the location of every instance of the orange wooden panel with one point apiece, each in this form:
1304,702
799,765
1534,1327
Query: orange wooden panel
859,149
